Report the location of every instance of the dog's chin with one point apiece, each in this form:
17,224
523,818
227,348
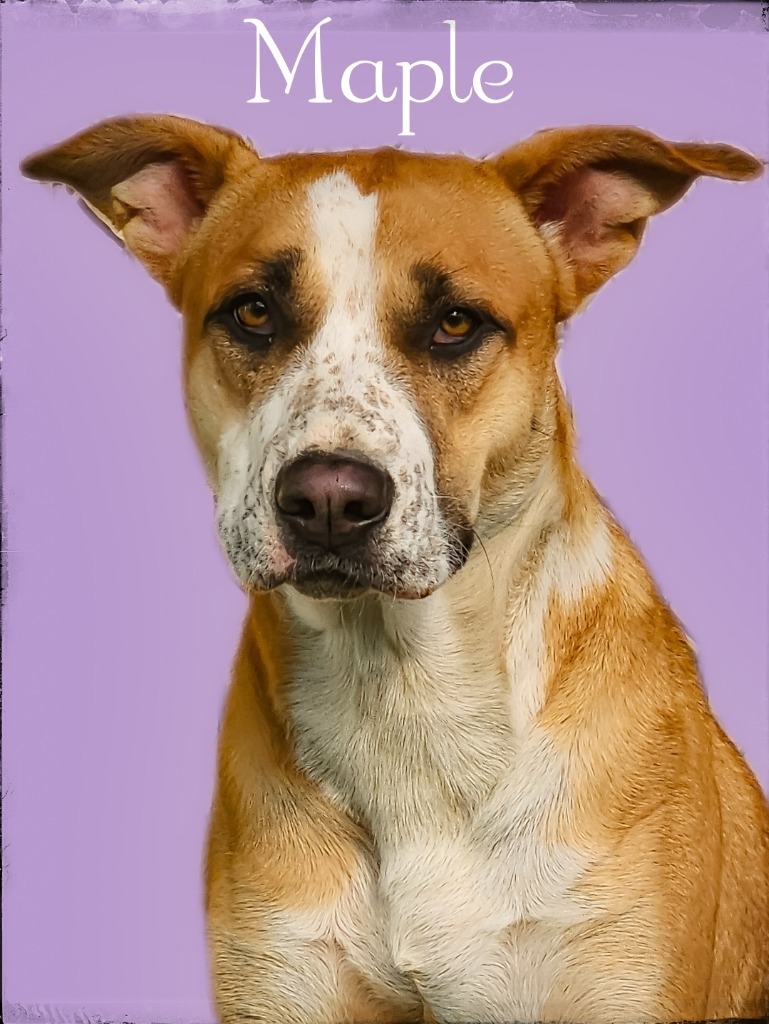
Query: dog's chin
332,584
346,583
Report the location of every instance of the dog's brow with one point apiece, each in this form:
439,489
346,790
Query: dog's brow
275,274
279,272
434,284
439,288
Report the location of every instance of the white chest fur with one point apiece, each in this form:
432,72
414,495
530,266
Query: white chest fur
426,740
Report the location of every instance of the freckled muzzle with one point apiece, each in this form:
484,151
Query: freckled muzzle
333,511
331,507
333,519
334,524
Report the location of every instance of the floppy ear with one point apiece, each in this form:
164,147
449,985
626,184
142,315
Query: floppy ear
150,179
591,190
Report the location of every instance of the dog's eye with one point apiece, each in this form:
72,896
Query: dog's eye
457,324
252,316
457,329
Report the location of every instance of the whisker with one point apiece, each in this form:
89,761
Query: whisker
485,552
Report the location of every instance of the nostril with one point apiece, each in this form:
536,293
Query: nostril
355,512
371,507
301,508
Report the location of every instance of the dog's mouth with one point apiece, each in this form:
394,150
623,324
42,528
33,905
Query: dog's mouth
345,579
331,577
334,578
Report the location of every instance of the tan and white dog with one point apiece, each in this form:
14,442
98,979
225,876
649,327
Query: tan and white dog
467,770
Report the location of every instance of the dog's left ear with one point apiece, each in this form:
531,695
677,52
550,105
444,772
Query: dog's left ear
591,190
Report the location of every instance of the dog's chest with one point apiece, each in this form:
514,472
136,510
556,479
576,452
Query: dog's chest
466,897
403,746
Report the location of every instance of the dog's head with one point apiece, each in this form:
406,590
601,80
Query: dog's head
370,336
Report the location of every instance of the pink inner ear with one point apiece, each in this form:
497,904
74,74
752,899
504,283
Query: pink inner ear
164,209
589,202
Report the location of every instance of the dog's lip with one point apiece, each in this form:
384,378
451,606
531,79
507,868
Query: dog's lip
330,576
319,588
335,579
344,581
348,579
328,586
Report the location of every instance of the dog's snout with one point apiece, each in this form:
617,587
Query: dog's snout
332,501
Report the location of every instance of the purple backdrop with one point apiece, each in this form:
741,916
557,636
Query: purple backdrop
121,616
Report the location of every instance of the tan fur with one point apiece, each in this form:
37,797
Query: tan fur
560,829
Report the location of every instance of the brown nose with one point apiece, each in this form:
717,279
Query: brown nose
332,501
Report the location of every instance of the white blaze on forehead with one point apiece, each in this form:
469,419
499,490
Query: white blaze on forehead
344,223
346,357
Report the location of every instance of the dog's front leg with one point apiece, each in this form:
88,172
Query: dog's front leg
290,979
279,973
294,927
295,941
291,899
265,979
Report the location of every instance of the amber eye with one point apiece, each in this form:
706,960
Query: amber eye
456,326
252,315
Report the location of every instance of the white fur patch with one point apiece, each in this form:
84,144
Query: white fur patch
578,567
351,930
568,571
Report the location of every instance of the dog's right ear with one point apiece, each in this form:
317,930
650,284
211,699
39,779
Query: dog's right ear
151,179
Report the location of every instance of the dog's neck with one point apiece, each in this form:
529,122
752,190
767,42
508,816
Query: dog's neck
490,618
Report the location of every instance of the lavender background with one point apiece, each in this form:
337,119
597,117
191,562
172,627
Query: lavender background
121,616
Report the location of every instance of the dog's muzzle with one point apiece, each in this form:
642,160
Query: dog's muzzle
329,505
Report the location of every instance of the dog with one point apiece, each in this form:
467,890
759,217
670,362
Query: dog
466,770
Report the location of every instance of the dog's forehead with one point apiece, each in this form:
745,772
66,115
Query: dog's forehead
421,201
379,169
393,211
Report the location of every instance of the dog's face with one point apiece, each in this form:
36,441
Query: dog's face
370,337
375,341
